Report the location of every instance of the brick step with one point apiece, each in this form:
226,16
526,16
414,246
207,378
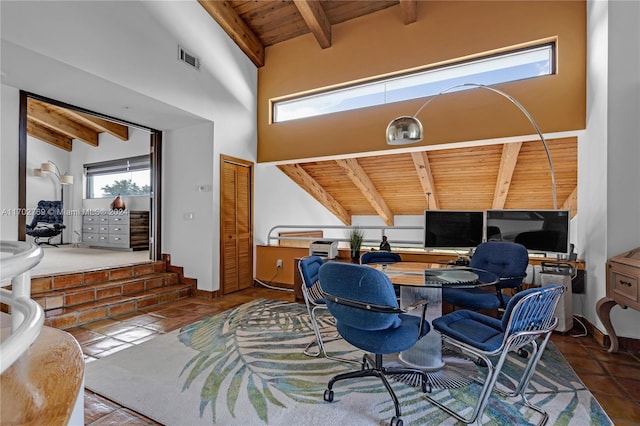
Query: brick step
73,296
67,317
65,282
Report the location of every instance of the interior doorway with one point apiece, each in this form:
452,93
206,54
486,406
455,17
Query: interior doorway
236,224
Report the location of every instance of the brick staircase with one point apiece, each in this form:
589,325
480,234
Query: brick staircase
73,299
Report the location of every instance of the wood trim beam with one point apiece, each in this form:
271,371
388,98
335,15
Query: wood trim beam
409,11
423,169
359,177
297,174
114,129
571,203
316,19
508,162
47,135
222,12
56,121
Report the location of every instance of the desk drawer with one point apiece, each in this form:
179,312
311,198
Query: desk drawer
624,284
119,229
120,240
88,237
118,219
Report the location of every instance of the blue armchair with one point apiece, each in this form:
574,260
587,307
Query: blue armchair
47,222
380,257
507,260
367,314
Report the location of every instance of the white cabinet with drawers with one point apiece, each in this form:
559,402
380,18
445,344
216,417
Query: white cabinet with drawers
114,229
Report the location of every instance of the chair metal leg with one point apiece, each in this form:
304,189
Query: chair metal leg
319,341
488,386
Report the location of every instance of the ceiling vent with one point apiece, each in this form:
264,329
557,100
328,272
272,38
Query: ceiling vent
188,58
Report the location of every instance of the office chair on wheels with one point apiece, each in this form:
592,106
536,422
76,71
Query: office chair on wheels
529,320
367,314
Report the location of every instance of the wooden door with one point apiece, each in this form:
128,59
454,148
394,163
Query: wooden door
236,222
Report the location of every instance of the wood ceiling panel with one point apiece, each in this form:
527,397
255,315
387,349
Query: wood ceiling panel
388,173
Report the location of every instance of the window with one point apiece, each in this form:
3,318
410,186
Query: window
516,65
125,176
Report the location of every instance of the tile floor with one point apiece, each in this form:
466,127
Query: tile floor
614,379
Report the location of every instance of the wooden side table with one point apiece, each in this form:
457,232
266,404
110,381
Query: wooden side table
623,288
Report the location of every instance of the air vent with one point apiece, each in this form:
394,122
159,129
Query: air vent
188,58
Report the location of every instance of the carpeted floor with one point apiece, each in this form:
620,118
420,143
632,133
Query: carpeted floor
66,258
245,366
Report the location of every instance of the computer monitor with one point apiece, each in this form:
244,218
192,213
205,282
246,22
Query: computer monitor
540,231
453,229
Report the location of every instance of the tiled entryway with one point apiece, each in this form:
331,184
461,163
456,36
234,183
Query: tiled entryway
614,379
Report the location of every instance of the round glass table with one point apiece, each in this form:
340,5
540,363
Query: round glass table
425,281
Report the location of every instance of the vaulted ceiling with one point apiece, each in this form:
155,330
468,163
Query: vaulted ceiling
512,175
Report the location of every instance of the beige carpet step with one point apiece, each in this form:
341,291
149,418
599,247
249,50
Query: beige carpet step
67,317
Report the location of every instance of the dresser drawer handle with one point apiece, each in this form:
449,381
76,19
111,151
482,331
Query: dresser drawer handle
627,283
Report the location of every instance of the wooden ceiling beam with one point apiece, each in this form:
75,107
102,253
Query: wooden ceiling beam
49,117
316,19
114,129
409,11
508,162
571,203
297,174
359,177
224,14
421,162
47,135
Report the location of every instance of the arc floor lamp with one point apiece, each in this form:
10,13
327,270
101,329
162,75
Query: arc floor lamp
408,129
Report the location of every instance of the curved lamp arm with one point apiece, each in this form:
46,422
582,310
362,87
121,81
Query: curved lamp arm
407,130
51,167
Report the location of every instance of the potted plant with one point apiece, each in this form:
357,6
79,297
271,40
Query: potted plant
355,241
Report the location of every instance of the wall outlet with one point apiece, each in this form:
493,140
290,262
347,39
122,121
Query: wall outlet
279,263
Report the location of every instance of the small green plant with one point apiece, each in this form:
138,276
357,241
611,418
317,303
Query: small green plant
355,239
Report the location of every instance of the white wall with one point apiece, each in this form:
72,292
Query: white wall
279,201
187,211
623,144
124,64
9,111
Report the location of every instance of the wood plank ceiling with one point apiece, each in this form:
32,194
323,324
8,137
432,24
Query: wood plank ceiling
60,126
501,176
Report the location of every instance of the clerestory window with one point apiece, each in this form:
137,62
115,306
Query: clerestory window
494,69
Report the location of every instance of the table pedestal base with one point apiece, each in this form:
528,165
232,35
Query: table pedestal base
457,372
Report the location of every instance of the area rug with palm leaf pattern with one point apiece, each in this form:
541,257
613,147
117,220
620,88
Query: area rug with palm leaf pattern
246,367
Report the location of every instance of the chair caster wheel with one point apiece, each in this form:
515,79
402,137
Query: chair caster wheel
522,353
328,395
396,421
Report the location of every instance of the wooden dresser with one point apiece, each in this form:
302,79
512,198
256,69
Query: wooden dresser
623,289
117,229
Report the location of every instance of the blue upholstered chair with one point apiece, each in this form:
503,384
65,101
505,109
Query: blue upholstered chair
47,222
367,314
529,319
314,300
507,260
380,257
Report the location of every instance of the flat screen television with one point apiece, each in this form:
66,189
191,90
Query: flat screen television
453,229
540,231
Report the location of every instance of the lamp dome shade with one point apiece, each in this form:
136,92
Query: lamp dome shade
404,130
66,180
